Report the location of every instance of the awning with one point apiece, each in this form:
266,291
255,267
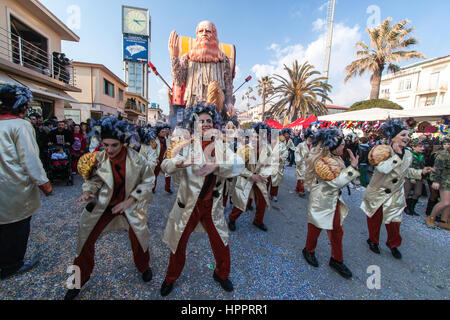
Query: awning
434,113
274,124
374,114
429,113
55,94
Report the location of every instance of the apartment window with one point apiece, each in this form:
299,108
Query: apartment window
434,80
108,88
408,85
430,100
401,85
120,95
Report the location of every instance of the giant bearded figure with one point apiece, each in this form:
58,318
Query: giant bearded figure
204,71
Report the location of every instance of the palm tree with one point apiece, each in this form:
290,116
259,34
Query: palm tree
249,96
388,45
265,89
300,94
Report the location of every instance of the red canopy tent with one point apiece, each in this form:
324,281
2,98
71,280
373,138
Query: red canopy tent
302,122
299,122
274,124
295,123
309,120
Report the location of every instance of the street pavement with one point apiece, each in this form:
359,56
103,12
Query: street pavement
264,265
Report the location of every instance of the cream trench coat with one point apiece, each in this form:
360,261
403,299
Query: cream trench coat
243,185
280,154
290,145
326,195
21,171
190,185
139,182
386,187
150,154
301,153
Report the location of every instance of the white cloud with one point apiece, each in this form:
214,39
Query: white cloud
323,6
162,91
238,73
162,96
319,24
342,54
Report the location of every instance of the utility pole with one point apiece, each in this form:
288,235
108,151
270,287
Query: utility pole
330,25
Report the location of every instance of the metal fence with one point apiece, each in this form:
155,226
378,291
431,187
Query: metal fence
24,53
129,105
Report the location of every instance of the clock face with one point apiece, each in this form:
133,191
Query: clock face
136,22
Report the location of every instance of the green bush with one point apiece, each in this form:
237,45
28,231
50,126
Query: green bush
376,103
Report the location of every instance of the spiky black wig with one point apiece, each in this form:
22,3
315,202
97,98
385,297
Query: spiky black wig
308,133
193,113
261,126
110,127
286,130
392,128
160,127
146,134
329,138
12,98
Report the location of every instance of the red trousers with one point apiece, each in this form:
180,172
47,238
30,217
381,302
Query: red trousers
260,207
168,179
75,165
202,213
86,258
300,186
334,235
394,239
273,190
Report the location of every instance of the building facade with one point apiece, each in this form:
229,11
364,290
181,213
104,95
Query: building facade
155,114
30,55
418,85
336,109
136,108
103,93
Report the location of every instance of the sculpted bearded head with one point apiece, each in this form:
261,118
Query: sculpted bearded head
206,48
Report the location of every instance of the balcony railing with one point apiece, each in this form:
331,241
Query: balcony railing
132,106
441,86
26,54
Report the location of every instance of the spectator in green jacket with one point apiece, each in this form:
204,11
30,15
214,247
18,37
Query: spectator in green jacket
418,162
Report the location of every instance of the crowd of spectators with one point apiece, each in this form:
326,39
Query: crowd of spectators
60,135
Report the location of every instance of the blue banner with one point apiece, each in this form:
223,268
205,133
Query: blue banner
135,48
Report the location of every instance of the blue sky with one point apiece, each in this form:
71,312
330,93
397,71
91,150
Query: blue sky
267,34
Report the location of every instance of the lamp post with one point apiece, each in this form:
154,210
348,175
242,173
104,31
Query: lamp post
246,80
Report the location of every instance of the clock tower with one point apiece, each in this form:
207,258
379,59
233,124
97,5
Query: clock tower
136,24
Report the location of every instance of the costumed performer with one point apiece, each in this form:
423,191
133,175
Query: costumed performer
384,198
21,177
326,175
118,187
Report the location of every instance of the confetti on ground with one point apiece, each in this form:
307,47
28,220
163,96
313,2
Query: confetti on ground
264,265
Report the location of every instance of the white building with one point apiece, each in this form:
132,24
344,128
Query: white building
418,85
255,112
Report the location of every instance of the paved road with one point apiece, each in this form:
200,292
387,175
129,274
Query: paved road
264,265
